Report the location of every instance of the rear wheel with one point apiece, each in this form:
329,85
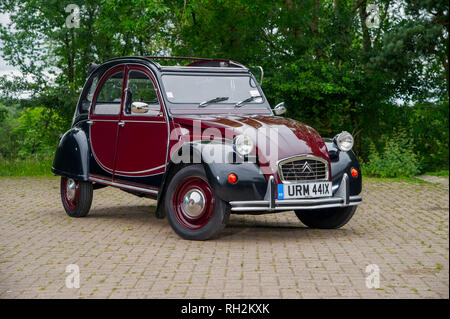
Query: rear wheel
76,196
327,218
193,210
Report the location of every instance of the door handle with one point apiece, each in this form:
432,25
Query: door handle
121,123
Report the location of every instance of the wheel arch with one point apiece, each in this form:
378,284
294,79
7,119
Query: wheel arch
174,164
72,155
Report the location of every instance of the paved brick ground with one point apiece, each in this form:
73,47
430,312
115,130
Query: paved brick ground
122,250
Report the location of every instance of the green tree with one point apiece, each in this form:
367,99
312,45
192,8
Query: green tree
321,57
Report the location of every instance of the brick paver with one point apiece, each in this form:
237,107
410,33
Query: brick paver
122,250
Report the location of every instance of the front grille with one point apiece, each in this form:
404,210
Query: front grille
303,168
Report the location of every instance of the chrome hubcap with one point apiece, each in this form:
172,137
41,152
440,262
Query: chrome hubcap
71,188
193,202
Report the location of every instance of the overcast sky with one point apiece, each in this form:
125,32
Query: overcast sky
4,67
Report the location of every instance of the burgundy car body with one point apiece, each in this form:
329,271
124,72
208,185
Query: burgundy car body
136,153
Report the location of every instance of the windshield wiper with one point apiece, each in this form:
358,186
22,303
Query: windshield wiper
247,100
214,100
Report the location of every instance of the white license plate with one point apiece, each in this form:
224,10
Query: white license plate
304,190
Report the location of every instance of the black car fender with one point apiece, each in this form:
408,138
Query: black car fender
219,160
72,155
342,163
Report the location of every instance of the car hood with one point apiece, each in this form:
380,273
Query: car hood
289,137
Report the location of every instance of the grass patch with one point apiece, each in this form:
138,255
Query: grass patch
38,165
373,179
443,173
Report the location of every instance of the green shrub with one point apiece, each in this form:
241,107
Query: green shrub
38,130
397,159
429,129
8,136
30,131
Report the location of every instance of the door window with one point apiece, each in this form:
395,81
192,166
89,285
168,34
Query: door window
142,97
110,95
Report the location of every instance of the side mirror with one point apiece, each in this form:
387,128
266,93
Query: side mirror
142,108
139,107
279,109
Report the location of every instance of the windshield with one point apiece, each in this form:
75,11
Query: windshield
211,91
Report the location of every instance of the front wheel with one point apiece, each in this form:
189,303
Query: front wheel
76,196
193,210
327,218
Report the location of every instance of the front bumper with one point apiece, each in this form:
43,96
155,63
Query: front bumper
341,198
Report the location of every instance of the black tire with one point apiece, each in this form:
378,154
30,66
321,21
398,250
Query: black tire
211,220
81,204
327,218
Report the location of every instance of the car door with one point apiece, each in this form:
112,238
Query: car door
104,121
143,135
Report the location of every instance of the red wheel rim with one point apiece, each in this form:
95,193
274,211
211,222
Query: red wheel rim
70,192
187,201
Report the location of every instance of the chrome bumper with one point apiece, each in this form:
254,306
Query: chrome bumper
341,198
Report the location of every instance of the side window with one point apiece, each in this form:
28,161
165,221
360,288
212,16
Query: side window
88,94
109,97
142,98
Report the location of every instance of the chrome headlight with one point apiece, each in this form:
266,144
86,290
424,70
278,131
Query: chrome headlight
344,141
243,145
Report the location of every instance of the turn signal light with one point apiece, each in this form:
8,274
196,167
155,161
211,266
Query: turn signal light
354,172
232,178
